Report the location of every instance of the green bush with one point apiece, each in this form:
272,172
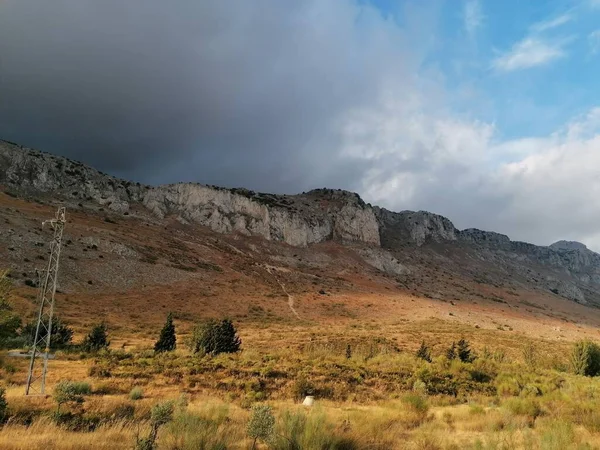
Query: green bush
70,392
585,358
215,337
261,425
296,431
167,340
97,339
136,394
161,414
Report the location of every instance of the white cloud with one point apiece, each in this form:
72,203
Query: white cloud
530,52
594,40
552,23
473,17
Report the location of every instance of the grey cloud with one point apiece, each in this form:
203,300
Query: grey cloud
224,92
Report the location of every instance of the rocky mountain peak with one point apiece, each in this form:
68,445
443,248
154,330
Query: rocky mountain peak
568,245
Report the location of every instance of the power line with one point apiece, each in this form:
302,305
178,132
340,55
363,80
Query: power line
36,379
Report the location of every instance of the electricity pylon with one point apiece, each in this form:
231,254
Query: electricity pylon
36,379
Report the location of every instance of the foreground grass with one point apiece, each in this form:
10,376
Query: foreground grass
370,397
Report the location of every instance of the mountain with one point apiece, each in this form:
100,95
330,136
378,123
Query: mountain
337,232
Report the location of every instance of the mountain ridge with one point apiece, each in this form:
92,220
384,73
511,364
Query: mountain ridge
300,220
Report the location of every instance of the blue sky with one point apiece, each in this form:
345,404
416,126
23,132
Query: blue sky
529,64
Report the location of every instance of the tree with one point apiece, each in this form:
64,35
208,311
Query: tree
585,358
167,340
215,337
3,404
161,414
424,352
451,352
464,351
261,425
97,339
9,322
62,334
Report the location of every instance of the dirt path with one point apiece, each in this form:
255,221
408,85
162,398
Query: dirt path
290,297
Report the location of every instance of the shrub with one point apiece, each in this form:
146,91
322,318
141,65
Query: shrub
215,337
424,352
136,394
3,404
161,414
97,339
167,340
529,355
62,334
585,358
70,391
261,425
302,387
298,431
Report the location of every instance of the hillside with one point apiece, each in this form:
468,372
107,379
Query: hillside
330,295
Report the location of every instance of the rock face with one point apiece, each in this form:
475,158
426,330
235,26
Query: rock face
568,245
32,172
299,220
567,269
397,228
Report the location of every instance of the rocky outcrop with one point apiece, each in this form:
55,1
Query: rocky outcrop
399,228
34,173
298,220
565,268
568,245
484,238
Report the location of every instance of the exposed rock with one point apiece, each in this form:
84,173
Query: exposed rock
568,245
567,268
413,227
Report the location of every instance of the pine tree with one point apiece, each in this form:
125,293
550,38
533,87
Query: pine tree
451,352
464,352
97,339
214,337
424,353
167,340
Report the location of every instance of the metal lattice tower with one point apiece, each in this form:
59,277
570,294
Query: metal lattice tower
36,380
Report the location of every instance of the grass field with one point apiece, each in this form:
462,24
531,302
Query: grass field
371,392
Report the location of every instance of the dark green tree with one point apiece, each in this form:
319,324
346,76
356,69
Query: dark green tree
97,339
348,351
424,352
62,334
451,352
167,340
464,351
215,337
9,321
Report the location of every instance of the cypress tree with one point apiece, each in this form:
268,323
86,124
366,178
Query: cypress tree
451,352
424,353
167,340
464,351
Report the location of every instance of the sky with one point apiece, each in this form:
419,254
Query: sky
484,111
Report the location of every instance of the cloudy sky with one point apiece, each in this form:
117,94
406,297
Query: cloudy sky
485,111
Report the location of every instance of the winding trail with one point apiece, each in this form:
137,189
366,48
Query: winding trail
290,297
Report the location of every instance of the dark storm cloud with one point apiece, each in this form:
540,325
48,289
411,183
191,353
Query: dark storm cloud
226,92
